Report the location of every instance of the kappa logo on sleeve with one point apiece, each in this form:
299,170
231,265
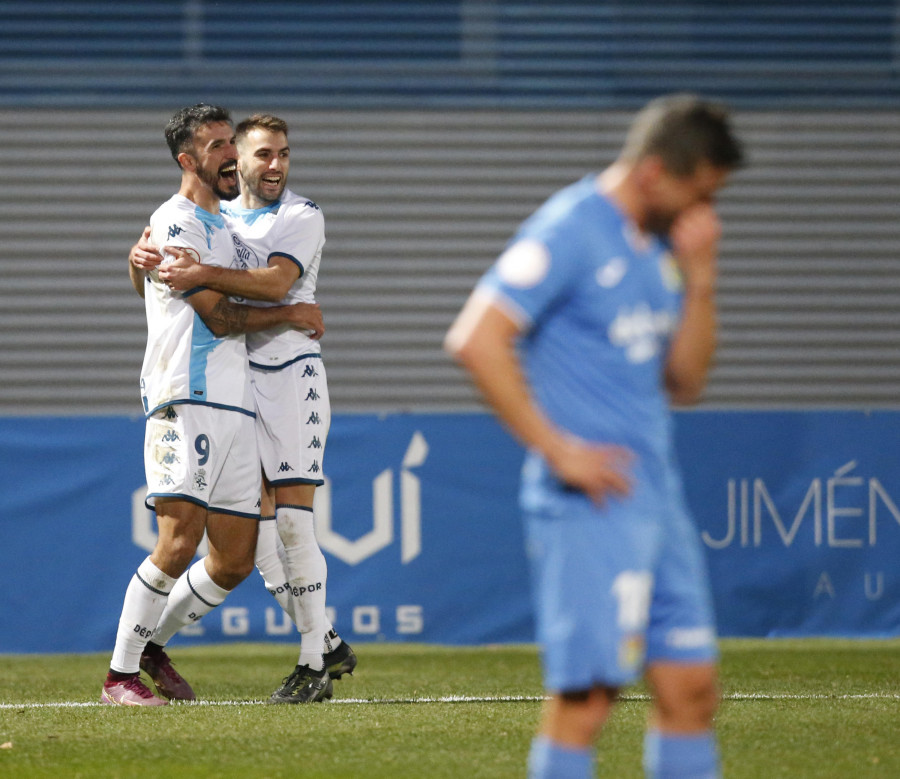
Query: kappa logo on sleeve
175,230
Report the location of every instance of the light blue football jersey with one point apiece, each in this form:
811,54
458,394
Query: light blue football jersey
599,302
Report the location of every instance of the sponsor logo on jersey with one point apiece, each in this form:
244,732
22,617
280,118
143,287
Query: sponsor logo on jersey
244,256
640,331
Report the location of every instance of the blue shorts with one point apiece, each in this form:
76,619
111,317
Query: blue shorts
616,588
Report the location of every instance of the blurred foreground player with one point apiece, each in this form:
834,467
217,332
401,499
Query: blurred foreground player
599,313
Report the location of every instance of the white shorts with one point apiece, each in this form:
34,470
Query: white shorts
293,415
205,455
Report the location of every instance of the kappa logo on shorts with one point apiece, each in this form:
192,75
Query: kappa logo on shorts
315,443
171,437
284,467
314,419
314,468
170,413
170,458
312,394
309,370
166,481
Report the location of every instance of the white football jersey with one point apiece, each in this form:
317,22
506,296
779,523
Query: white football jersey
294,227
184,361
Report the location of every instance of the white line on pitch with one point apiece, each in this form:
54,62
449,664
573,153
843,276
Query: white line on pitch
734,696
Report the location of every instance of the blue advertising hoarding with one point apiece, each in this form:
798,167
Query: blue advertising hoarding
798,512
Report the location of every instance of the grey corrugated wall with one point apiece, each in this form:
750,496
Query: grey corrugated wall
417,203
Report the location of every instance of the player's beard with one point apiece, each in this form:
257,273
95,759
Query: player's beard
213,179
659,223
252,185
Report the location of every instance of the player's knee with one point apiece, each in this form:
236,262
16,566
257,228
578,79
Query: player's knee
229,573
692,705
585,712
174,555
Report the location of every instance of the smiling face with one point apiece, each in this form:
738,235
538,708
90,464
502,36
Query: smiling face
264,162
215,159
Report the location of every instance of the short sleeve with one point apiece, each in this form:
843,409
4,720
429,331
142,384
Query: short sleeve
531,277
300,235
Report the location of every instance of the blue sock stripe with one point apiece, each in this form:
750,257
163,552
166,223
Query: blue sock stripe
197,595
148,586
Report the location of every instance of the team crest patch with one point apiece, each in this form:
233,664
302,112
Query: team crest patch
671,275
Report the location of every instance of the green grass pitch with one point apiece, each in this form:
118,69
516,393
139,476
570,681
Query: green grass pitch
812,708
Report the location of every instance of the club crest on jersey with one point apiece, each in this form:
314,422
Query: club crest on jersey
671,274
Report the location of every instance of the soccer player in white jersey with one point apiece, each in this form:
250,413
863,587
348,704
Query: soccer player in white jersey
200,447
278,238
608,293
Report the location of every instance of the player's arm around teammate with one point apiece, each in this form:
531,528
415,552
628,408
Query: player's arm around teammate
183,273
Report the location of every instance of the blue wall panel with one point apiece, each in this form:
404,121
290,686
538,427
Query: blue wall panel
798,512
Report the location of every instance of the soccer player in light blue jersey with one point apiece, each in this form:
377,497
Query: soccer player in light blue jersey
599,314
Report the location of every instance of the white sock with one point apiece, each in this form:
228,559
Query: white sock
145,599
332,639
194,595
307,574
269,563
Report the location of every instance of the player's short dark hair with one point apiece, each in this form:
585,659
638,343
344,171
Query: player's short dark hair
268,122
683,130
182,127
